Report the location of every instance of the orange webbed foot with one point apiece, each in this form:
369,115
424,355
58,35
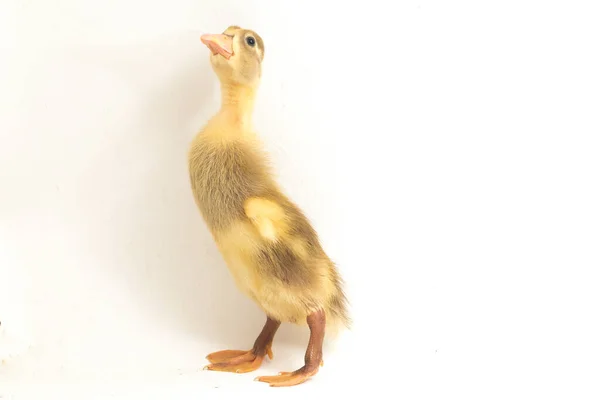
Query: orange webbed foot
289,378
224,355
238,361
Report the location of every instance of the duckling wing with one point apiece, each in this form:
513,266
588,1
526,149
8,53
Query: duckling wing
290,248
267,216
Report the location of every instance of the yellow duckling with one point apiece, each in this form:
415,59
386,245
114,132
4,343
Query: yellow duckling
269,246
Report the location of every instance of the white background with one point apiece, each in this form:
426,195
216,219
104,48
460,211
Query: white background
446,151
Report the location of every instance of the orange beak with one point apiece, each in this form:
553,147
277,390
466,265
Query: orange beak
219,44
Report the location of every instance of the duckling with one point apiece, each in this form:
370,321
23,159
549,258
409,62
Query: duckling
268,244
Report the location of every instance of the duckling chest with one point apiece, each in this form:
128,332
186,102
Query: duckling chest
222,178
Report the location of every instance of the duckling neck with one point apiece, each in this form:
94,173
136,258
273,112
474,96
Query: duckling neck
237,102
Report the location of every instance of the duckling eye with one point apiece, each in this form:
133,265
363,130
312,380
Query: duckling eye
250,40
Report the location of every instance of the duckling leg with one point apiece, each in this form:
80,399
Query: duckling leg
242,361
313,358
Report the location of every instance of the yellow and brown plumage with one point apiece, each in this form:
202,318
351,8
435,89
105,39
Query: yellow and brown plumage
268,244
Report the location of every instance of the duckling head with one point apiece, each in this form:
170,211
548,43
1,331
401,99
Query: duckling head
236,55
